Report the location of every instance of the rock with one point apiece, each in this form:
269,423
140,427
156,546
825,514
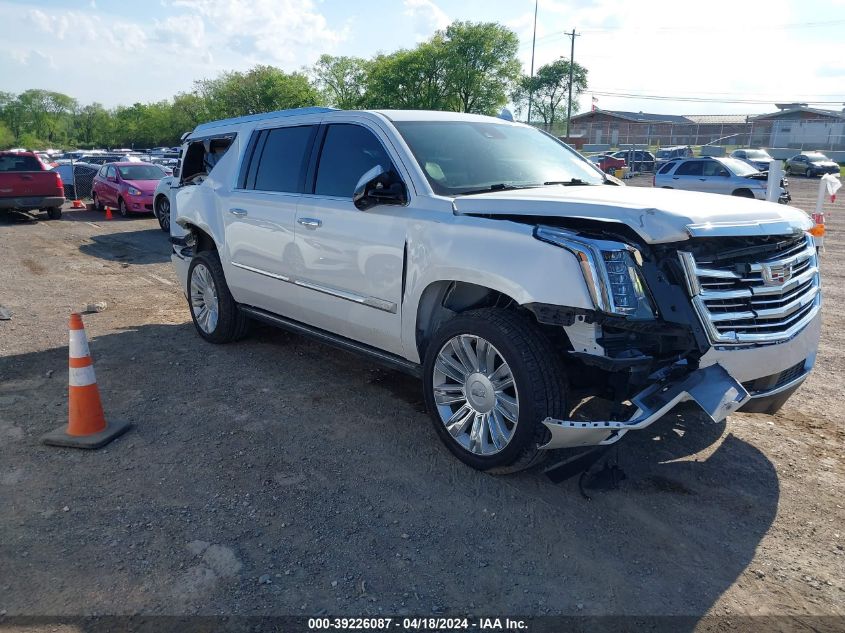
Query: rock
438,609
265,579
759,573
405,536
66,509
99,306
334,583
579,606
49,373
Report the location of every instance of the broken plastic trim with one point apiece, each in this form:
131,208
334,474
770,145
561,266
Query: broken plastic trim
714,390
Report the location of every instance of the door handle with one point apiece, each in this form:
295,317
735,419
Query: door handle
310,223
238,212
676,177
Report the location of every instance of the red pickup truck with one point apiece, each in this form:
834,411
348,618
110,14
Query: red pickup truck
27,184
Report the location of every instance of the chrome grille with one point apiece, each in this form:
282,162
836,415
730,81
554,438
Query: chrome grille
755,299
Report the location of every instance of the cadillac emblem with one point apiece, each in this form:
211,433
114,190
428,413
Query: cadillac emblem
776,274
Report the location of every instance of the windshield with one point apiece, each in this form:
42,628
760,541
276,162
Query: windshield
757,154
459,157
141,172
738,167
664,153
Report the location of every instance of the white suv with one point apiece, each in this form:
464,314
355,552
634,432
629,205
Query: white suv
492,261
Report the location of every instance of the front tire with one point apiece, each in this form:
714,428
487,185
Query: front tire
213,310
490,378
162,212
121,208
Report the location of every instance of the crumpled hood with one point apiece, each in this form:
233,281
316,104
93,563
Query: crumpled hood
657,215
146,186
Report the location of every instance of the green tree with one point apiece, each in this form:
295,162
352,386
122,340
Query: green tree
7,139
409,79
261,89
481,65
342,80
549,88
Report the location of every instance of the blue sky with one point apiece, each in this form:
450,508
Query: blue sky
120,52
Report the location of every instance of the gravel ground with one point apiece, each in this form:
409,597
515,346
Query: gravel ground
279,476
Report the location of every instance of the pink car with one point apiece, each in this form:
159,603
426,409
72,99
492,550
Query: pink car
127,187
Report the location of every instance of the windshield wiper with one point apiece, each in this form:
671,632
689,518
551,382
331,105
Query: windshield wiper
499,186
572,182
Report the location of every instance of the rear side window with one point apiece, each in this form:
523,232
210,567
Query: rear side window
279,159
690,168
666,168
19,162
349,151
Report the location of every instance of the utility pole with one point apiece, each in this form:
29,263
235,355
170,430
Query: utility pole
533,43
573,35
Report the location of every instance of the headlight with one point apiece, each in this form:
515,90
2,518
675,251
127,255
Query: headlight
611,270
135,192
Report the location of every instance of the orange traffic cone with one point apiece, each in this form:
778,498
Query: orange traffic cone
108,213
87,426
77,204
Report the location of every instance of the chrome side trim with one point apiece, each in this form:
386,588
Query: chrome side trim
372,302
261,272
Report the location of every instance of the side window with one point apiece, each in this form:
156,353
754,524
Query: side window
690,168
666,168
281,159
112,172
103,171
349,151
712,168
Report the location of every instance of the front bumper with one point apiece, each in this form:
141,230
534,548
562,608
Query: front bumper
140,204
752,379
717,393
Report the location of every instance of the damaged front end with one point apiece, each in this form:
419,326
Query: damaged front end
712,388
645,341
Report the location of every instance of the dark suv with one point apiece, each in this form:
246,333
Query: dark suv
641,160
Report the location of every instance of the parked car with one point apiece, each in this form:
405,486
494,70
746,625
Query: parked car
161,201
668,153
638,160
811,164
126,186
606,162
760,159
729,176
27,184
497,264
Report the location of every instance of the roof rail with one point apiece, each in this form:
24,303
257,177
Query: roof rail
202,127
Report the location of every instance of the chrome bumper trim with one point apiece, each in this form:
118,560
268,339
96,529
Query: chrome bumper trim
717,392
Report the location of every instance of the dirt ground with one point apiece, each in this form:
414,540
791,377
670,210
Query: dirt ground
279,476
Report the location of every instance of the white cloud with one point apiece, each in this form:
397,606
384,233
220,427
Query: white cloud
432,16
286,32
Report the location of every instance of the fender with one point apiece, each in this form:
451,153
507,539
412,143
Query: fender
497,254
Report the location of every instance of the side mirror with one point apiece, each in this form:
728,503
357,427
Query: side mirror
379,186
175,172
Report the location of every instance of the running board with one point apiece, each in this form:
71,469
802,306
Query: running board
386,359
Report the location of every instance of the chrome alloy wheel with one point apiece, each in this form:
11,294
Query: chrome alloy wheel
475,394
204,298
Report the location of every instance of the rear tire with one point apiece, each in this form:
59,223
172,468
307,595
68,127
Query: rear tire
54,213
98,206
213,310
486,431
